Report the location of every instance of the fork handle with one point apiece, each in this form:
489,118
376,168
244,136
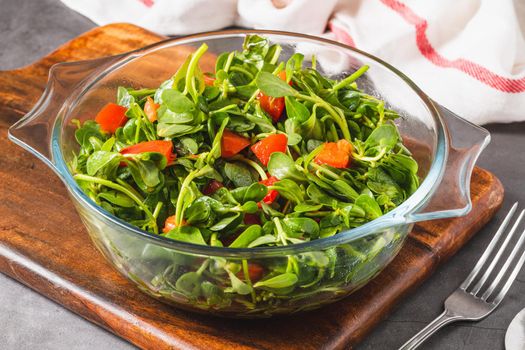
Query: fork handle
442,320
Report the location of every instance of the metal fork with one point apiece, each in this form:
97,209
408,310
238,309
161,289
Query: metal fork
474,301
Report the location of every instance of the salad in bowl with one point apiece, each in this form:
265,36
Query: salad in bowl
251,181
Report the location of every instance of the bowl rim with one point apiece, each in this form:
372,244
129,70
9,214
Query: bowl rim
396,217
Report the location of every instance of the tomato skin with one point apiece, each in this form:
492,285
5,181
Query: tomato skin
111,117
211,187
150,109
208,80
255,272
163,147
170,224
252,219
231,143
274,106
270,144
272,195
335,154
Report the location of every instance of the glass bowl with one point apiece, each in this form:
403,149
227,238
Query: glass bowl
185,274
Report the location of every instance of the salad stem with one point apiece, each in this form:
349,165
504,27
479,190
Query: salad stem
351,78
122,189
184,190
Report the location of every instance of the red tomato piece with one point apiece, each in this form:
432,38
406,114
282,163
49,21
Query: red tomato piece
274,106
252,219
270,144
111,117
163,147
209,80
335,154
255,271
272,195
170,224
150,109
211,187
231,143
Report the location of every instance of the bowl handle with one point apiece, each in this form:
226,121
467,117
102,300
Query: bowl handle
452,197
33,132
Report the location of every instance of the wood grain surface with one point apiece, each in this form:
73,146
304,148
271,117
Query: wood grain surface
44,245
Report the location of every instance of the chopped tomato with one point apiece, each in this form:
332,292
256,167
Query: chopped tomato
282,75
111,117
211,187
335,154
226,241
270,144
274,106
231,143
150,108
209,80
255,271
163,147
170,224
272,195
252,219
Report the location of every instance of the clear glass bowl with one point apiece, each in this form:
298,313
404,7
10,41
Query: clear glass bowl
182,274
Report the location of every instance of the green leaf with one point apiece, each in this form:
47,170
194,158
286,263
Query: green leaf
344,189
295,110
386,137
176,130
227,222
255,192
124,98
188,234
372,209
117,198
238,173
103,163
199,211
273,86
214,295
189,284
177,102
145,173
319,196
263,240
297,227
246,237
89,129
289,190
282,167
238,286
280,281
293,137
305,207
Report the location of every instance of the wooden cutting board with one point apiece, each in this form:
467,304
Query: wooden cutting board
44,245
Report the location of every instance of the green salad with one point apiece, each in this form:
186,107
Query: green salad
257,153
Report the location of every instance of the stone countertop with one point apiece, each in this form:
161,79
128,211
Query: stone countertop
31,29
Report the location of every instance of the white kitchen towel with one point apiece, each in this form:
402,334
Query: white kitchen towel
468,55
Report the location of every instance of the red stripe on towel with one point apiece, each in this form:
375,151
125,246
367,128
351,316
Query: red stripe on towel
471,68
148,3
341,34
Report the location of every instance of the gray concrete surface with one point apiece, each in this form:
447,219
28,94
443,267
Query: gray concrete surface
30,29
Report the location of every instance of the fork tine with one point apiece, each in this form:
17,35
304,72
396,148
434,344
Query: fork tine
473,274
517,248
497,258
510,280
